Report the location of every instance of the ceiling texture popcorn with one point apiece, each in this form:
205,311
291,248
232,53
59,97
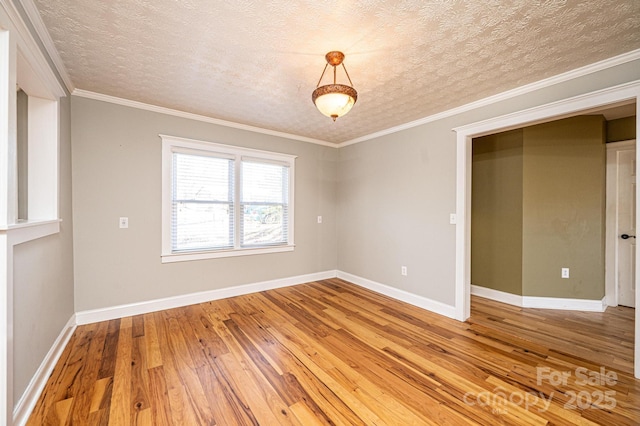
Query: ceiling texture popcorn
256,62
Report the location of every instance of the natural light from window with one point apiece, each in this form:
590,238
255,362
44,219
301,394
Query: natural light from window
220,200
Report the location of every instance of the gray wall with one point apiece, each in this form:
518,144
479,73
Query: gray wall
496,211
22,151
390,199
385,203
43,279
117,172
396,192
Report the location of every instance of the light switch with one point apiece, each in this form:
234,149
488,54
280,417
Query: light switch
319,219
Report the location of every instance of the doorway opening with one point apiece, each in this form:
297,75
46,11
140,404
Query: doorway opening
604,99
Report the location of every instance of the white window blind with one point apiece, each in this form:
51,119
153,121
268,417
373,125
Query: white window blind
224,201
203,208
264,203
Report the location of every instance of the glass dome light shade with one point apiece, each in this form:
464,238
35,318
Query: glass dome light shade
334,100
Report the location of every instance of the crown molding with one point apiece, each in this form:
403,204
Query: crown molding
584,103
38,24
177,113
30,49
527,88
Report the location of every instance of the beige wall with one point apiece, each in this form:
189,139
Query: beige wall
43,279
496,212
564,208
396,192
117,172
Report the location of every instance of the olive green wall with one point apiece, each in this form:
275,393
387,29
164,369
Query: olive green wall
496,218
538,197
622,129
564,208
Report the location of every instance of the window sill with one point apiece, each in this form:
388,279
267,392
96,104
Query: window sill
201,255
23,232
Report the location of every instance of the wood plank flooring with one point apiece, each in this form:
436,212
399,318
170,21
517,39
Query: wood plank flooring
332,353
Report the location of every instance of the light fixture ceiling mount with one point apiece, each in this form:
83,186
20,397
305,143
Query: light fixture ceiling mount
334,100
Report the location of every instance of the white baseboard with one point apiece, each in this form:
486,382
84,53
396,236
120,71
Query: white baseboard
499,296
565,304
405,296
120,311
540,302
28,400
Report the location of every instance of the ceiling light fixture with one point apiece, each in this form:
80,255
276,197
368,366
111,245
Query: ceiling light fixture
334,100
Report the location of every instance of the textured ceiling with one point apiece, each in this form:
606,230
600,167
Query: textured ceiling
257,62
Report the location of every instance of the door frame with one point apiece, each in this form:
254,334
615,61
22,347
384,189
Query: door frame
624,93
611,238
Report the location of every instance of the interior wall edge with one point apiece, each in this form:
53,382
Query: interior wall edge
24,406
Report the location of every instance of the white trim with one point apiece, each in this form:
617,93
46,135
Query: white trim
621,93
611,146
232,150
565,304
171,145
584,103
43,158
196,117
113,312
120,311
31,51
38,24
215,254
636,358
527,88
28,231
611,219
28,400
540,302
497,295
402,295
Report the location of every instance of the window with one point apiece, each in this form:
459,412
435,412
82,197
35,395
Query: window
220,200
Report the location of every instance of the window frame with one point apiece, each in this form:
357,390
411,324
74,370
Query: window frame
174,144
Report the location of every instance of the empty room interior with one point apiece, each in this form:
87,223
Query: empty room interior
311,213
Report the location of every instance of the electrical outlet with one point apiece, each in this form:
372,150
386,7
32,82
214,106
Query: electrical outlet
452,219
124,222
319,219
565,273
403,270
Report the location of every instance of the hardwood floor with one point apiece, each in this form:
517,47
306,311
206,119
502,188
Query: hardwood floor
330,352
